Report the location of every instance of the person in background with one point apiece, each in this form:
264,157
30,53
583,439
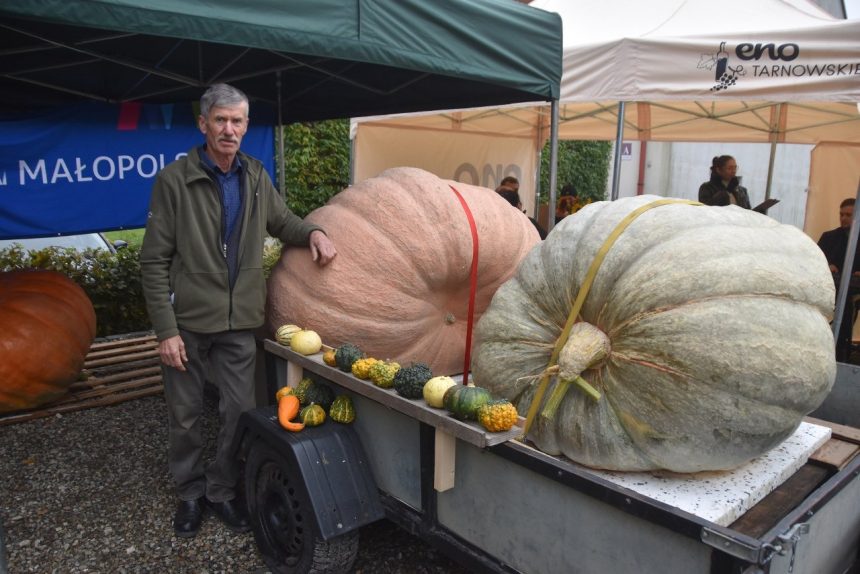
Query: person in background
724,188
201,265
510,182
834,244
513,197
568,203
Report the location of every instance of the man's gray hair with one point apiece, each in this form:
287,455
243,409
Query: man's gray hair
221,96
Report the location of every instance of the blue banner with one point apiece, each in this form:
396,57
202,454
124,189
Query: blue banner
91,167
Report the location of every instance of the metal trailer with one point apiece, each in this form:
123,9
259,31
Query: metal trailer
498,505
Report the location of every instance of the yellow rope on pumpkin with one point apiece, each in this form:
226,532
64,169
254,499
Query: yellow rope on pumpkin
580,301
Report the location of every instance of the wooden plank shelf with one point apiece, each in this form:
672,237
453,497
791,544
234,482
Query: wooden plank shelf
440,419
116,371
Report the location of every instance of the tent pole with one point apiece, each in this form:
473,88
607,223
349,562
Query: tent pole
774,139
553,164
770,170
619,140
282,186
845,278
536,175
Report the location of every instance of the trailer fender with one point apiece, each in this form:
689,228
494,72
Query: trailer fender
328,461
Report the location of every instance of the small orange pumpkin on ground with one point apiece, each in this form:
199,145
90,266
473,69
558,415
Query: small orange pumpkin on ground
48,326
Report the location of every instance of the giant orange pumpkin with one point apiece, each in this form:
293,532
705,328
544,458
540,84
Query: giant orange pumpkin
399,286
48,324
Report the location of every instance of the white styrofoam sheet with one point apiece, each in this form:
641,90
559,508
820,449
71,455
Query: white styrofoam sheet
722,497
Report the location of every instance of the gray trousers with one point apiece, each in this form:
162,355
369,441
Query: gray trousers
230,357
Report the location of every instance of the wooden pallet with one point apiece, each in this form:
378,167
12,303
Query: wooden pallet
116,371
832,456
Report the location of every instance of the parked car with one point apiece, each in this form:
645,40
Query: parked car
80,242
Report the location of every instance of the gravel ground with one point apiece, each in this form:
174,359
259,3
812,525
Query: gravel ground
89,491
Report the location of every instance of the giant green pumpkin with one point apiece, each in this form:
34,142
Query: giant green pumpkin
705,332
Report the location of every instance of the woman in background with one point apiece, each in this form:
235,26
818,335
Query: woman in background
724,187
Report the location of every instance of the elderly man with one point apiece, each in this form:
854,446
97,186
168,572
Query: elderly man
201,264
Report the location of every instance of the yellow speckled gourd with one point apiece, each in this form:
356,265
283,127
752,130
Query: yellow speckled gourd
361,368
382,373
498,415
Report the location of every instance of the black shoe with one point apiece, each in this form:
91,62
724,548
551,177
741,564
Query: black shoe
189,515
232,514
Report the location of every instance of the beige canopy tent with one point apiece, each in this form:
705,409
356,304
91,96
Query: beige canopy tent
769,71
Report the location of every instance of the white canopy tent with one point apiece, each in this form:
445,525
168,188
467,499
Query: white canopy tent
769,71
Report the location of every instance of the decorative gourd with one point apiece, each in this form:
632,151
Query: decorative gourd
463,401
434,390
704,334
328,358
302,389
48,326
400,282
306,342
361,368
346,355
312,415
318,393
382,373
282,392
498,415
284,333
288,408
342,410
409,381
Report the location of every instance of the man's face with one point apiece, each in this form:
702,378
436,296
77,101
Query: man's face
224,129
846,214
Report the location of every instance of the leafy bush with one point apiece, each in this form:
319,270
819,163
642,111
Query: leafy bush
111,280
585,164
316,163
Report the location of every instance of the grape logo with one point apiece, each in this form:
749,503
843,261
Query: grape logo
725,75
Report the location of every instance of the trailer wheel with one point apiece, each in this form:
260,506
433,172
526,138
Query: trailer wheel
283,521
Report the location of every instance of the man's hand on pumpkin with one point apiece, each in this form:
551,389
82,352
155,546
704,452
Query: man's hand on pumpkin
322,249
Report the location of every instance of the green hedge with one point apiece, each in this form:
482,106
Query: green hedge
111,280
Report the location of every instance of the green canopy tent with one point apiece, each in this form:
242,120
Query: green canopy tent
326,58
298,60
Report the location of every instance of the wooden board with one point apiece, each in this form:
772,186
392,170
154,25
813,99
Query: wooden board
470,432
842,432
769,510
836,453
115,371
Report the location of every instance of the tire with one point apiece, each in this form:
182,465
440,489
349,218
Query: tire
283,520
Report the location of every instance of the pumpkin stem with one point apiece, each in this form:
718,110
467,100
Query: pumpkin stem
558,393
585,348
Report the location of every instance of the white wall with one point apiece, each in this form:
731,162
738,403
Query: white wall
678,169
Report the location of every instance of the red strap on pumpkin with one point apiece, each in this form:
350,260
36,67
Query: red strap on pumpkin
473,284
